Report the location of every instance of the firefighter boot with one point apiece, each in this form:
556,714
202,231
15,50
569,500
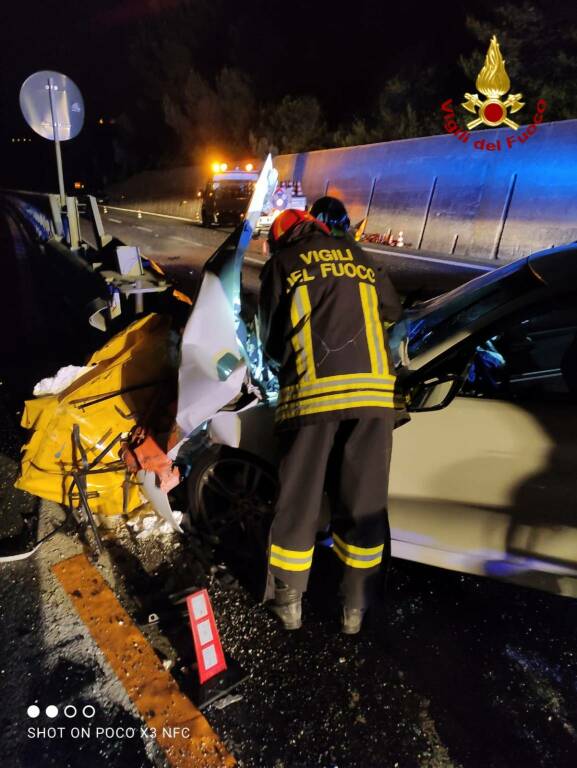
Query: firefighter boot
287,605
352,620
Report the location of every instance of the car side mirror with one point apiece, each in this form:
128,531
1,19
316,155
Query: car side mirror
434,394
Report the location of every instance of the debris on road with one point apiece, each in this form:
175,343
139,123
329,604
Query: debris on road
225,702
145,525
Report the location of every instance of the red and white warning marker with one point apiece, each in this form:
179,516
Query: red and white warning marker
209,654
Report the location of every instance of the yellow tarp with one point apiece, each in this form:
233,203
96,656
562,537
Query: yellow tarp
137,356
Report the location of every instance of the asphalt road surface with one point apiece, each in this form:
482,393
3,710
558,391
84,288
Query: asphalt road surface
451,671
179,244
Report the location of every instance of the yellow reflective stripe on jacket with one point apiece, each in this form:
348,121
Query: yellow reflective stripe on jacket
328,403
337,384
291,559
320,394
302,339
356,377
357,557
361,398
375,339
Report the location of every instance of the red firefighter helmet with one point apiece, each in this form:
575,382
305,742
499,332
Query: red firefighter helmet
285,223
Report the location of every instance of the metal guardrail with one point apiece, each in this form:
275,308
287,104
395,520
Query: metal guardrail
120,269
51,219
42,210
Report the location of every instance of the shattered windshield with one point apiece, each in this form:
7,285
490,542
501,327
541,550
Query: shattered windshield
463,308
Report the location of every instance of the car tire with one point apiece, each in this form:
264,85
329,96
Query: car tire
204,220
230,487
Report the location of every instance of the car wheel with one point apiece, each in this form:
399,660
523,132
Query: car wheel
204,219
230,488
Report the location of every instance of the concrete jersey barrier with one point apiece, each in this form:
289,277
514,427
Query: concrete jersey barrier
445,195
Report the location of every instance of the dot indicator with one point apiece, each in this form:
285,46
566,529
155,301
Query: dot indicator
33,710
51,711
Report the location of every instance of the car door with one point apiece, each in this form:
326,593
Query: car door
488,485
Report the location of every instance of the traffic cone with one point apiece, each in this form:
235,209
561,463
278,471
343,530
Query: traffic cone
400,240
139,215
105,210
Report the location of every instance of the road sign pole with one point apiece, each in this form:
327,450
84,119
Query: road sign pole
56,143
60,173
58,118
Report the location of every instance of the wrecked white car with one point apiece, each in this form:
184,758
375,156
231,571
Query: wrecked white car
483,478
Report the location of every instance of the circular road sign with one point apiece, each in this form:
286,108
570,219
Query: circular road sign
65,108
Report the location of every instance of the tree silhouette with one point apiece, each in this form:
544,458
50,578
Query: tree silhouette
193,94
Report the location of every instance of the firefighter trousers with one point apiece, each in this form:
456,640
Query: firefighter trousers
350,460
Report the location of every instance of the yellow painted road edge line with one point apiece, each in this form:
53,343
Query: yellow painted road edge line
152,689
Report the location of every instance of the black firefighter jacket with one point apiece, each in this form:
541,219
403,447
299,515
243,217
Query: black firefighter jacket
324,308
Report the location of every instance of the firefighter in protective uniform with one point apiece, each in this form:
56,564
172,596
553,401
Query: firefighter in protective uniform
324,308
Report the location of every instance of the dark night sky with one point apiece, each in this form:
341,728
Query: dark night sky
306,47
69,36
341,56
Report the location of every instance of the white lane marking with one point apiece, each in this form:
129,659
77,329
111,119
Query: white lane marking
184,240
477,267
116,221
447,262
150,213
144,229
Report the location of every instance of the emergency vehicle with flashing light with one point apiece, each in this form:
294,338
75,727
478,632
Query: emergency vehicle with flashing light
225,198
288,194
